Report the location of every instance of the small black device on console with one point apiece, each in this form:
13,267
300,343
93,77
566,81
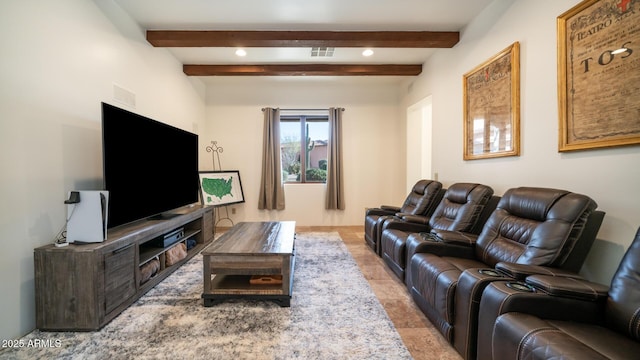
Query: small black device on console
168,239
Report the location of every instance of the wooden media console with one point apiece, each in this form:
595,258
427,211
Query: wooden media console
83,287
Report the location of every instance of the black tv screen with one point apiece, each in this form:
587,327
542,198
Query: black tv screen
150,168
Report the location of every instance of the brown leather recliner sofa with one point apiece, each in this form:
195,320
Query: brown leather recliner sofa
530,226
422,201
563,317
464,207
472,282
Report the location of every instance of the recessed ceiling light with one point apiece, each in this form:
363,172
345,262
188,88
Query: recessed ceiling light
367,52
241,52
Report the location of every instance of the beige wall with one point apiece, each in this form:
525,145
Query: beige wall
373,130
60,60
609,176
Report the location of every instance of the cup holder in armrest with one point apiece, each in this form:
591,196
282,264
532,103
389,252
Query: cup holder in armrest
520,286
490,272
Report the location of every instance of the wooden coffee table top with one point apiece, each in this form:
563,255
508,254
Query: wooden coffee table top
252,238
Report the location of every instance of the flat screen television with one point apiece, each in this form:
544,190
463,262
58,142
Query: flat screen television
150,168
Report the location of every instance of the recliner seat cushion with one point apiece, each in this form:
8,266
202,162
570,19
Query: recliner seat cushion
533,338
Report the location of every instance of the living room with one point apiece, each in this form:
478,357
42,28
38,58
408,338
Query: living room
62,59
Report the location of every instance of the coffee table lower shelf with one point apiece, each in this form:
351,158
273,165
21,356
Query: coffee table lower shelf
224,287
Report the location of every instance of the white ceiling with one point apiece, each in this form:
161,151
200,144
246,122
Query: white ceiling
302,15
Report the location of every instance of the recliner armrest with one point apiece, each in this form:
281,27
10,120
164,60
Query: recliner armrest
522,271
458,238
390,208
379,211
432,244
416,219
404,225
569,287
502,297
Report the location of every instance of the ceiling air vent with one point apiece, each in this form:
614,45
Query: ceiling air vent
322,51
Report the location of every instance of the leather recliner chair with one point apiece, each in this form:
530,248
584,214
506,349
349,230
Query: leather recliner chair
464,207
530,226
564,317
472,282
423,199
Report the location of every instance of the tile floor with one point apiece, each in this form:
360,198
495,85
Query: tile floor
419,336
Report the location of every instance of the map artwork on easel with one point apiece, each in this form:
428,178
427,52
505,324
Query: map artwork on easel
219,188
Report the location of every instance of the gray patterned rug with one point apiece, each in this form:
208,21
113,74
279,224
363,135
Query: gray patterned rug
332,316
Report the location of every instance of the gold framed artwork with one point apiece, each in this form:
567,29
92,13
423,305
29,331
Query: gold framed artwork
492,107
599,75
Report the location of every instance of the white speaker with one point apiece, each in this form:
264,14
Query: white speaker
87,216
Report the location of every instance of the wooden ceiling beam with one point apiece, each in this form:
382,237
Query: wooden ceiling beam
303,70
374,39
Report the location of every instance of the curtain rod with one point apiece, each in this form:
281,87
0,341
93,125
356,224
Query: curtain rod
306,109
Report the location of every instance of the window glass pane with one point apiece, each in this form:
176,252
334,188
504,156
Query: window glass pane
290,149
316,150
303,145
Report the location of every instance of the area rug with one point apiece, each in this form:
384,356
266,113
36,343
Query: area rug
333,315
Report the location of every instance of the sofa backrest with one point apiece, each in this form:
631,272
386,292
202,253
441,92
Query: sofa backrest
423,198
534,226
622,312
461,207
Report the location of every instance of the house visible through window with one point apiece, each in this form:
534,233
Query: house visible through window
303,145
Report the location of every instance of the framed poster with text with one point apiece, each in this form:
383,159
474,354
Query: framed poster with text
599,75
491,107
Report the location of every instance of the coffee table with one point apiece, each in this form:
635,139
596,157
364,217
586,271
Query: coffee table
258,250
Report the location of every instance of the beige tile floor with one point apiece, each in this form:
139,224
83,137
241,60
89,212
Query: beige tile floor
418,335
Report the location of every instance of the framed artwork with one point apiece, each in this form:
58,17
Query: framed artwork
492,107
219,188
599,75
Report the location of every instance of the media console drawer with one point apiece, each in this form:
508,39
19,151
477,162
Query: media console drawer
119,285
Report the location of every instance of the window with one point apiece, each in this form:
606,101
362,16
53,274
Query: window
303,145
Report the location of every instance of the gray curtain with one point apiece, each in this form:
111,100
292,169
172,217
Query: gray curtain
271,187
335,181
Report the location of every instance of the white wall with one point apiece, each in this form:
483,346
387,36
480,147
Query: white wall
419,143
373,130
59,61
609,176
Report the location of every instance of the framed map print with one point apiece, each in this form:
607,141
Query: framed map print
492,107
599,75
219,188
